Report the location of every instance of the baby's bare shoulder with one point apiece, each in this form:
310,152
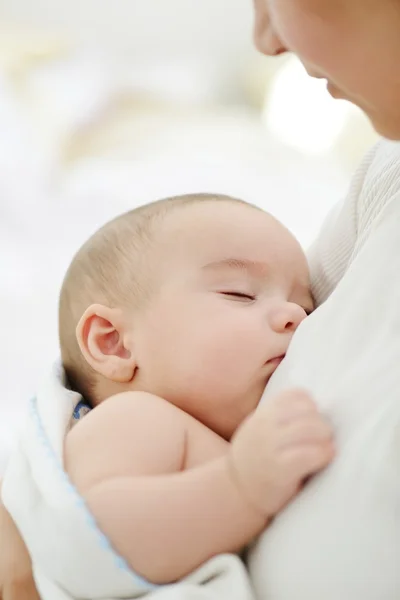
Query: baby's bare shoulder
123,407
130,434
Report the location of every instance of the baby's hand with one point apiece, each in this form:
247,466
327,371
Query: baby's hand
278,446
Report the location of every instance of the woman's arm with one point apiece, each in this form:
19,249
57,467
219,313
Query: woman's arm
16,579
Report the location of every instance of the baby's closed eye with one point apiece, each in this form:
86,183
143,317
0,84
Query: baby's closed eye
237,295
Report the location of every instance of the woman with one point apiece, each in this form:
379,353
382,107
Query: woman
354,44
331,542
340,538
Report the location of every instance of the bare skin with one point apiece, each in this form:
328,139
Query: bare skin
170,493
16,579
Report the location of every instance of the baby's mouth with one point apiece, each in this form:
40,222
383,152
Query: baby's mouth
276,361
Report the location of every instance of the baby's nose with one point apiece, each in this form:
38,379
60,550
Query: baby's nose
287,318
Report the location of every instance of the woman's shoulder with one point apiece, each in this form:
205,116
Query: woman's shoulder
374,185
385,153
379,175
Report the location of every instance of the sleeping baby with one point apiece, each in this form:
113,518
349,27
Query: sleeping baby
173,317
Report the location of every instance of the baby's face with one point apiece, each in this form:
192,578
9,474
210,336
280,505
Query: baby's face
234,286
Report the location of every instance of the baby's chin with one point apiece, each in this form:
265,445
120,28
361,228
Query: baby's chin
259,397
264,386
276,380
255,399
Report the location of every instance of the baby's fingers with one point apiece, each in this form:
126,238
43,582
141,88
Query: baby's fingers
308,459
306,431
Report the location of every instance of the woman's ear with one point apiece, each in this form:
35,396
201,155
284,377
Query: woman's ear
106,344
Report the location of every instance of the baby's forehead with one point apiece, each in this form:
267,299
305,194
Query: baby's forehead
198,223
248,240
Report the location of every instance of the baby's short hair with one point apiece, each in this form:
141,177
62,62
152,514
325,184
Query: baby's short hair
112,268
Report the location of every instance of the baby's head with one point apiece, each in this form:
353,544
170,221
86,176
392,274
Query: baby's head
193,298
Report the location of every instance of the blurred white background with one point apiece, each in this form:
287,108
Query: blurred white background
107,105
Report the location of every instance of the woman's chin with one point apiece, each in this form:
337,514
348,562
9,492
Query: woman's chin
334,91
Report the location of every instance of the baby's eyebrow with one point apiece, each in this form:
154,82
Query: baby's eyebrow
242,264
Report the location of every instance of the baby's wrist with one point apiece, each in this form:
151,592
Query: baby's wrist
246,488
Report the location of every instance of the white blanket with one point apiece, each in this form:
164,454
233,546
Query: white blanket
340,538
72,559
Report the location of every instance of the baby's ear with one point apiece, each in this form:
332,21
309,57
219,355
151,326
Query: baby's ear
103,337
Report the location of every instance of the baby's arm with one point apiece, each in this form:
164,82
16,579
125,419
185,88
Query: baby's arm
170,494
131,460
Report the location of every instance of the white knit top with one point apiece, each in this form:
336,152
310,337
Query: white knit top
340,538
374,185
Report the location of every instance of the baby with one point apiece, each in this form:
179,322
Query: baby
173,317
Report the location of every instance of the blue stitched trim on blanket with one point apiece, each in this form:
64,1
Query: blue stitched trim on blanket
103,541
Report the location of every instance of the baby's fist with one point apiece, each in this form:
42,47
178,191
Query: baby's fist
278,446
